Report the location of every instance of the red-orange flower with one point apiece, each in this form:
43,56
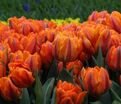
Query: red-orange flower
30,44
95,80
65,48
113,58
75,65
14,44
20,75
108,38
116,21
102,17
8,90
67,93
46,54
33,62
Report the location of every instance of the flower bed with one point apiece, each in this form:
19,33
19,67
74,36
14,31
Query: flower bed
61,61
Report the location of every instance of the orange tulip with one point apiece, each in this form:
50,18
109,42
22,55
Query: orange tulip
3,62
113,58
20,75
33,62
108,38
30,43
69,93
19,56
75,65
14,21
65,48
116,21
95,80
14,44
46,54
27,27
102,17
8,90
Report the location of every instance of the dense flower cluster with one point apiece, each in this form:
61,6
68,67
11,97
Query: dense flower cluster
28,45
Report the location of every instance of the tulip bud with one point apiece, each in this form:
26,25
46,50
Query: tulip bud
65,48
31,44
113,58
108,38
95,80
14,44
102,17
21,76
33,62
3,61
116,21
46,54
27,27
8,90
69,93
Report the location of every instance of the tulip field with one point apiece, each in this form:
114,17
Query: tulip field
61,61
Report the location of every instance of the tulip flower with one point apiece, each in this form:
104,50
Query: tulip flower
69,93
30,43
46,54
75,65
14,44
27,27
8,90
102,17
116,21
33,62
20,75
113,58
65,48
95,80
14,21
3,62
108,38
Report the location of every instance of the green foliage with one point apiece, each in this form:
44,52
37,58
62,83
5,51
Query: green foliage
56,8
65,76
25,97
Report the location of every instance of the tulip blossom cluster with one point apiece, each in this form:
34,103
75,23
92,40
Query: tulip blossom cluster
28,45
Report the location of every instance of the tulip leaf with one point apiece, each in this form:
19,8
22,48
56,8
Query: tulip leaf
115,91
38,90
106,98
53,101
100,60
53,70
116,102
95,61
65,76
47,90
25,97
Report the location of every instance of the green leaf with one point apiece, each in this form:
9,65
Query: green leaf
105,98
116,102
65,76
95,61
53,70
53,101
47,90
115,91
100,60
38,90
25,97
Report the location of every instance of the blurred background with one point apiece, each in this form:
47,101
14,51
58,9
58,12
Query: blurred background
41,9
